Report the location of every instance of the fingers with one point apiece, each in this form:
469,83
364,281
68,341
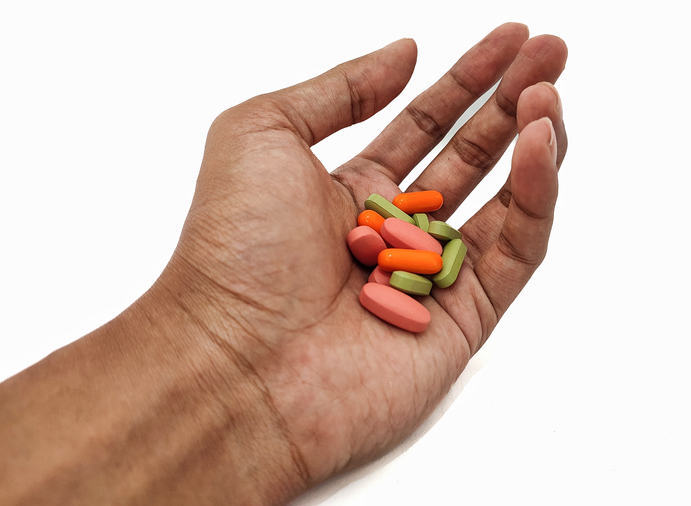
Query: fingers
481,142
411,136
348,93
538,101
507,265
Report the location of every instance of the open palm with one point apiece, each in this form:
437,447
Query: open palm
269,277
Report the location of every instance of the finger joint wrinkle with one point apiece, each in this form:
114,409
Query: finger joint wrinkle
473,154
467,83
362,94
426,122
379,162
290,119
504,197
505,105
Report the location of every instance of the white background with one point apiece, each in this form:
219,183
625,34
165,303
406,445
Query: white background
581,395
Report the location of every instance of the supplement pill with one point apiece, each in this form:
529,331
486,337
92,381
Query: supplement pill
401,234
365,244
409,260
422,221
419,202
385,208
394,307
453,255
412,284
371,219
380,276
443,231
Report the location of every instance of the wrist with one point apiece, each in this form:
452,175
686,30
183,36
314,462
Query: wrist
211,404
153,408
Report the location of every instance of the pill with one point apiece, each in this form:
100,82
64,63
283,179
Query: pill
394,307
385,208
401,234
380,276
453,255
372,219
410,283
443,231
410,260
365,244
421,220
419,202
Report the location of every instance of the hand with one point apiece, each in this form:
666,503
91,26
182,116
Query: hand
268,226
260,299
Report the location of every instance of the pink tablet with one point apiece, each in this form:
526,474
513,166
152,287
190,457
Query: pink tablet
400,234
394,307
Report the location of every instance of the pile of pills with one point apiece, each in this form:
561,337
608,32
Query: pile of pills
411,254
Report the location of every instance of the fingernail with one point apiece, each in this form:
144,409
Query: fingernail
551,131
552,142
557,106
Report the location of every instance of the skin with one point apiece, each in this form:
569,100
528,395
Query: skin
249,372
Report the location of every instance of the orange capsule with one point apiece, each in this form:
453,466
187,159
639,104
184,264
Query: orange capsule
419,202
371,219
410,260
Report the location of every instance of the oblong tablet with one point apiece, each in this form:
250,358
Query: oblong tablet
443,231
419,202
453,255
421,220
379,204
410,283
401,234
410,260
394,307
380,276
371,219
365,244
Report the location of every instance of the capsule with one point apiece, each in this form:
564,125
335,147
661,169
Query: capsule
372,219
410,260
419,202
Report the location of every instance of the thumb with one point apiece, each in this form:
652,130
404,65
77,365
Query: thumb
347,94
